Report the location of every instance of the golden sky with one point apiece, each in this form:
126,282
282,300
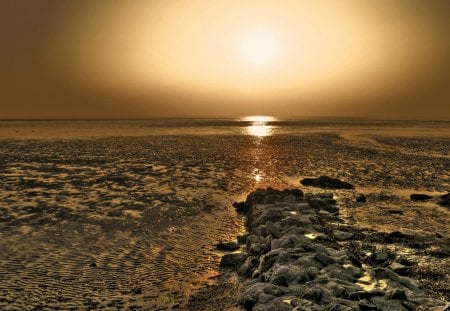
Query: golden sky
164,58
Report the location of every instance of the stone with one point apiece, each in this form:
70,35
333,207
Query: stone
326,183
396,294
342,235
273,290
232,260
445,200
365,294
361,198
365,305
324,259
279,280
228,246
275,304
240,207
380,256
273,229
420,197
399,268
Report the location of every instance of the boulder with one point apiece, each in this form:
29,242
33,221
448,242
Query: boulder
326,183
232,260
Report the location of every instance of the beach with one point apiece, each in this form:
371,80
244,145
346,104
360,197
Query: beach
127,214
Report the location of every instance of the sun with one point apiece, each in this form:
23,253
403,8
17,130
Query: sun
259,47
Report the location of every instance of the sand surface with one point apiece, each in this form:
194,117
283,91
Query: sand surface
115,220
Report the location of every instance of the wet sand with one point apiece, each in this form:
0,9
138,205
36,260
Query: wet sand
131,222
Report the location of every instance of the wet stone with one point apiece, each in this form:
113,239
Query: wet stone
326,183
297,261
420,197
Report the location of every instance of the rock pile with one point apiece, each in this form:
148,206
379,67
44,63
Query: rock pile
295,261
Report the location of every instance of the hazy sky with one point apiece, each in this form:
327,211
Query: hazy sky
164,58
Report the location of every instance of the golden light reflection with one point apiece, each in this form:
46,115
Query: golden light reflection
259,126
257,175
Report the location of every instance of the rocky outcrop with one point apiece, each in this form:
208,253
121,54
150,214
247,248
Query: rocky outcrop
295,261
326,182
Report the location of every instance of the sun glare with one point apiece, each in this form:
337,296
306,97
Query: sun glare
259,127
259,47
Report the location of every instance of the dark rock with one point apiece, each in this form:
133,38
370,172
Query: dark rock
93,264
232,260
273,229
273,290
228,246
279,280
295,192
248,302
397,294
395,212
241,207
395,236
359,295
326,182
242,238
445,200
137,290
420,197
367,306
361,198
380,256
324,259
342,235
399,268
313,293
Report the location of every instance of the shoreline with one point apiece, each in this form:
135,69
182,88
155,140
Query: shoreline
301,255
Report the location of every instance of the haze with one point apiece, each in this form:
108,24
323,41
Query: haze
117,59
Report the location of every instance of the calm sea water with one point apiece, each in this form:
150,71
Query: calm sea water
126,213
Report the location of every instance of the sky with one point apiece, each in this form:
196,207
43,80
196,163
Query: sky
380,59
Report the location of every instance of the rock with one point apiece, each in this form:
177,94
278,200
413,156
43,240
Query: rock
228,246
380,256
324,259
93,264
395,212
294,192
273,290
399,268
396,294
296,261
326,183
445,200
240,207
273,229
275,304
365,294
342,235
365,305
242,238
361,198
420,197
137,290
232,260
279,280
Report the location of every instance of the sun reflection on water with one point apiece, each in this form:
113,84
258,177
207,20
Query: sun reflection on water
259,126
